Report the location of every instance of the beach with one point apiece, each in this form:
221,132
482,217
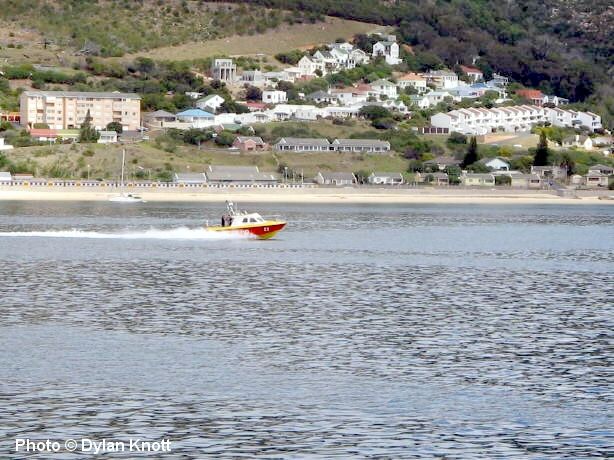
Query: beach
325,195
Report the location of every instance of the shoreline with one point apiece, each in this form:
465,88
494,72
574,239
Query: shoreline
307,195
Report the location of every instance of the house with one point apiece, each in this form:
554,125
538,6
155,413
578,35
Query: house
197,117
250,143
193,94
479,180
435,97
190,178
274,97
555,100
158,118
295,144
436,178
441,163
583,142
534,96
422,102
473,73
68,109
384,87
245,175
589,119
526,180
389,50
326,58
496,164
356,57
322,97
390,104
4,146
210,103
351,95
253,77
549,172
335,178
340,112
5,177
412,80
361,145
595,179
44,135
224,70
309,66
107,137
603,169
442,79
380,178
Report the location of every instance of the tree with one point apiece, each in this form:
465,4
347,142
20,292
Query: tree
225,138
472,153
253,93
115,126
542,151
88,133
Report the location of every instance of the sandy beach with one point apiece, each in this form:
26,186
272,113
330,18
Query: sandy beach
306,195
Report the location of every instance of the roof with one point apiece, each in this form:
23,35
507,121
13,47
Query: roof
160,114
468,69
39,132
395,175
530,93
382,82
198,113
320,95
480,176
412,77
441,73
337,175
191,177
238,173
304,141
256,139
79,94
525,176
600,167
108,133
362,142
209,97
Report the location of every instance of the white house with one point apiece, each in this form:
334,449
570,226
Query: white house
309,66
385,88
210,103
497,164
274,97
479,180
442,79
422,102
379,178
389,50
335,178
4,146
107,137
473,73
589,119
196,117
5,177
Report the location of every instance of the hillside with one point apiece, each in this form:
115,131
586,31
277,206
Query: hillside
113,28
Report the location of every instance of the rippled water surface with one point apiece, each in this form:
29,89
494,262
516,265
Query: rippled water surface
361,331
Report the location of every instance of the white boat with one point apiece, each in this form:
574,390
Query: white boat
123,196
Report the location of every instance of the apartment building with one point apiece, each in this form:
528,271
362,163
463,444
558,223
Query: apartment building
68,109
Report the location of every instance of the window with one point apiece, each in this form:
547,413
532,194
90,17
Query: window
252,219
245,220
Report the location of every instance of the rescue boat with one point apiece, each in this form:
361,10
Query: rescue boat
252,223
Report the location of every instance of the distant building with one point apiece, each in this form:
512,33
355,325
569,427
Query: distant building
583,142
496,164
418,82
526,181
480,180
595,179
534,96
250,143
210,103
158,118
224,70
274,97
107,137
603,169
239,175
5,177
197,117
384,87
335,178
295,144
389,50
190,178
473,73
380,178
360,145
549,172
68,109
442,79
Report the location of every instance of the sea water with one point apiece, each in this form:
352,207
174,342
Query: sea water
380,331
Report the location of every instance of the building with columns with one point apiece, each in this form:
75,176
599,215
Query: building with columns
224,70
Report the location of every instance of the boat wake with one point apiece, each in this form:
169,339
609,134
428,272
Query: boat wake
181,233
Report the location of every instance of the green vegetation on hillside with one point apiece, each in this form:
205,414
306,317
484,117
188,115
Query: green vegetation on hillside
114,27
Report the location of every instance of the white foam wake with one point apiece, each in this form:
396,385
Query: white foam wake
180,233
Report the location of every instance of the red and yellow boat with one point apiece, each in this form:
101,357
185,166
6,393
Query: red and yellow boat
251,223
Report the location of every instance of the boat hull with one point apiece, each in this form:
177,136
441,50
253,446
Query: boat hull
262,231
